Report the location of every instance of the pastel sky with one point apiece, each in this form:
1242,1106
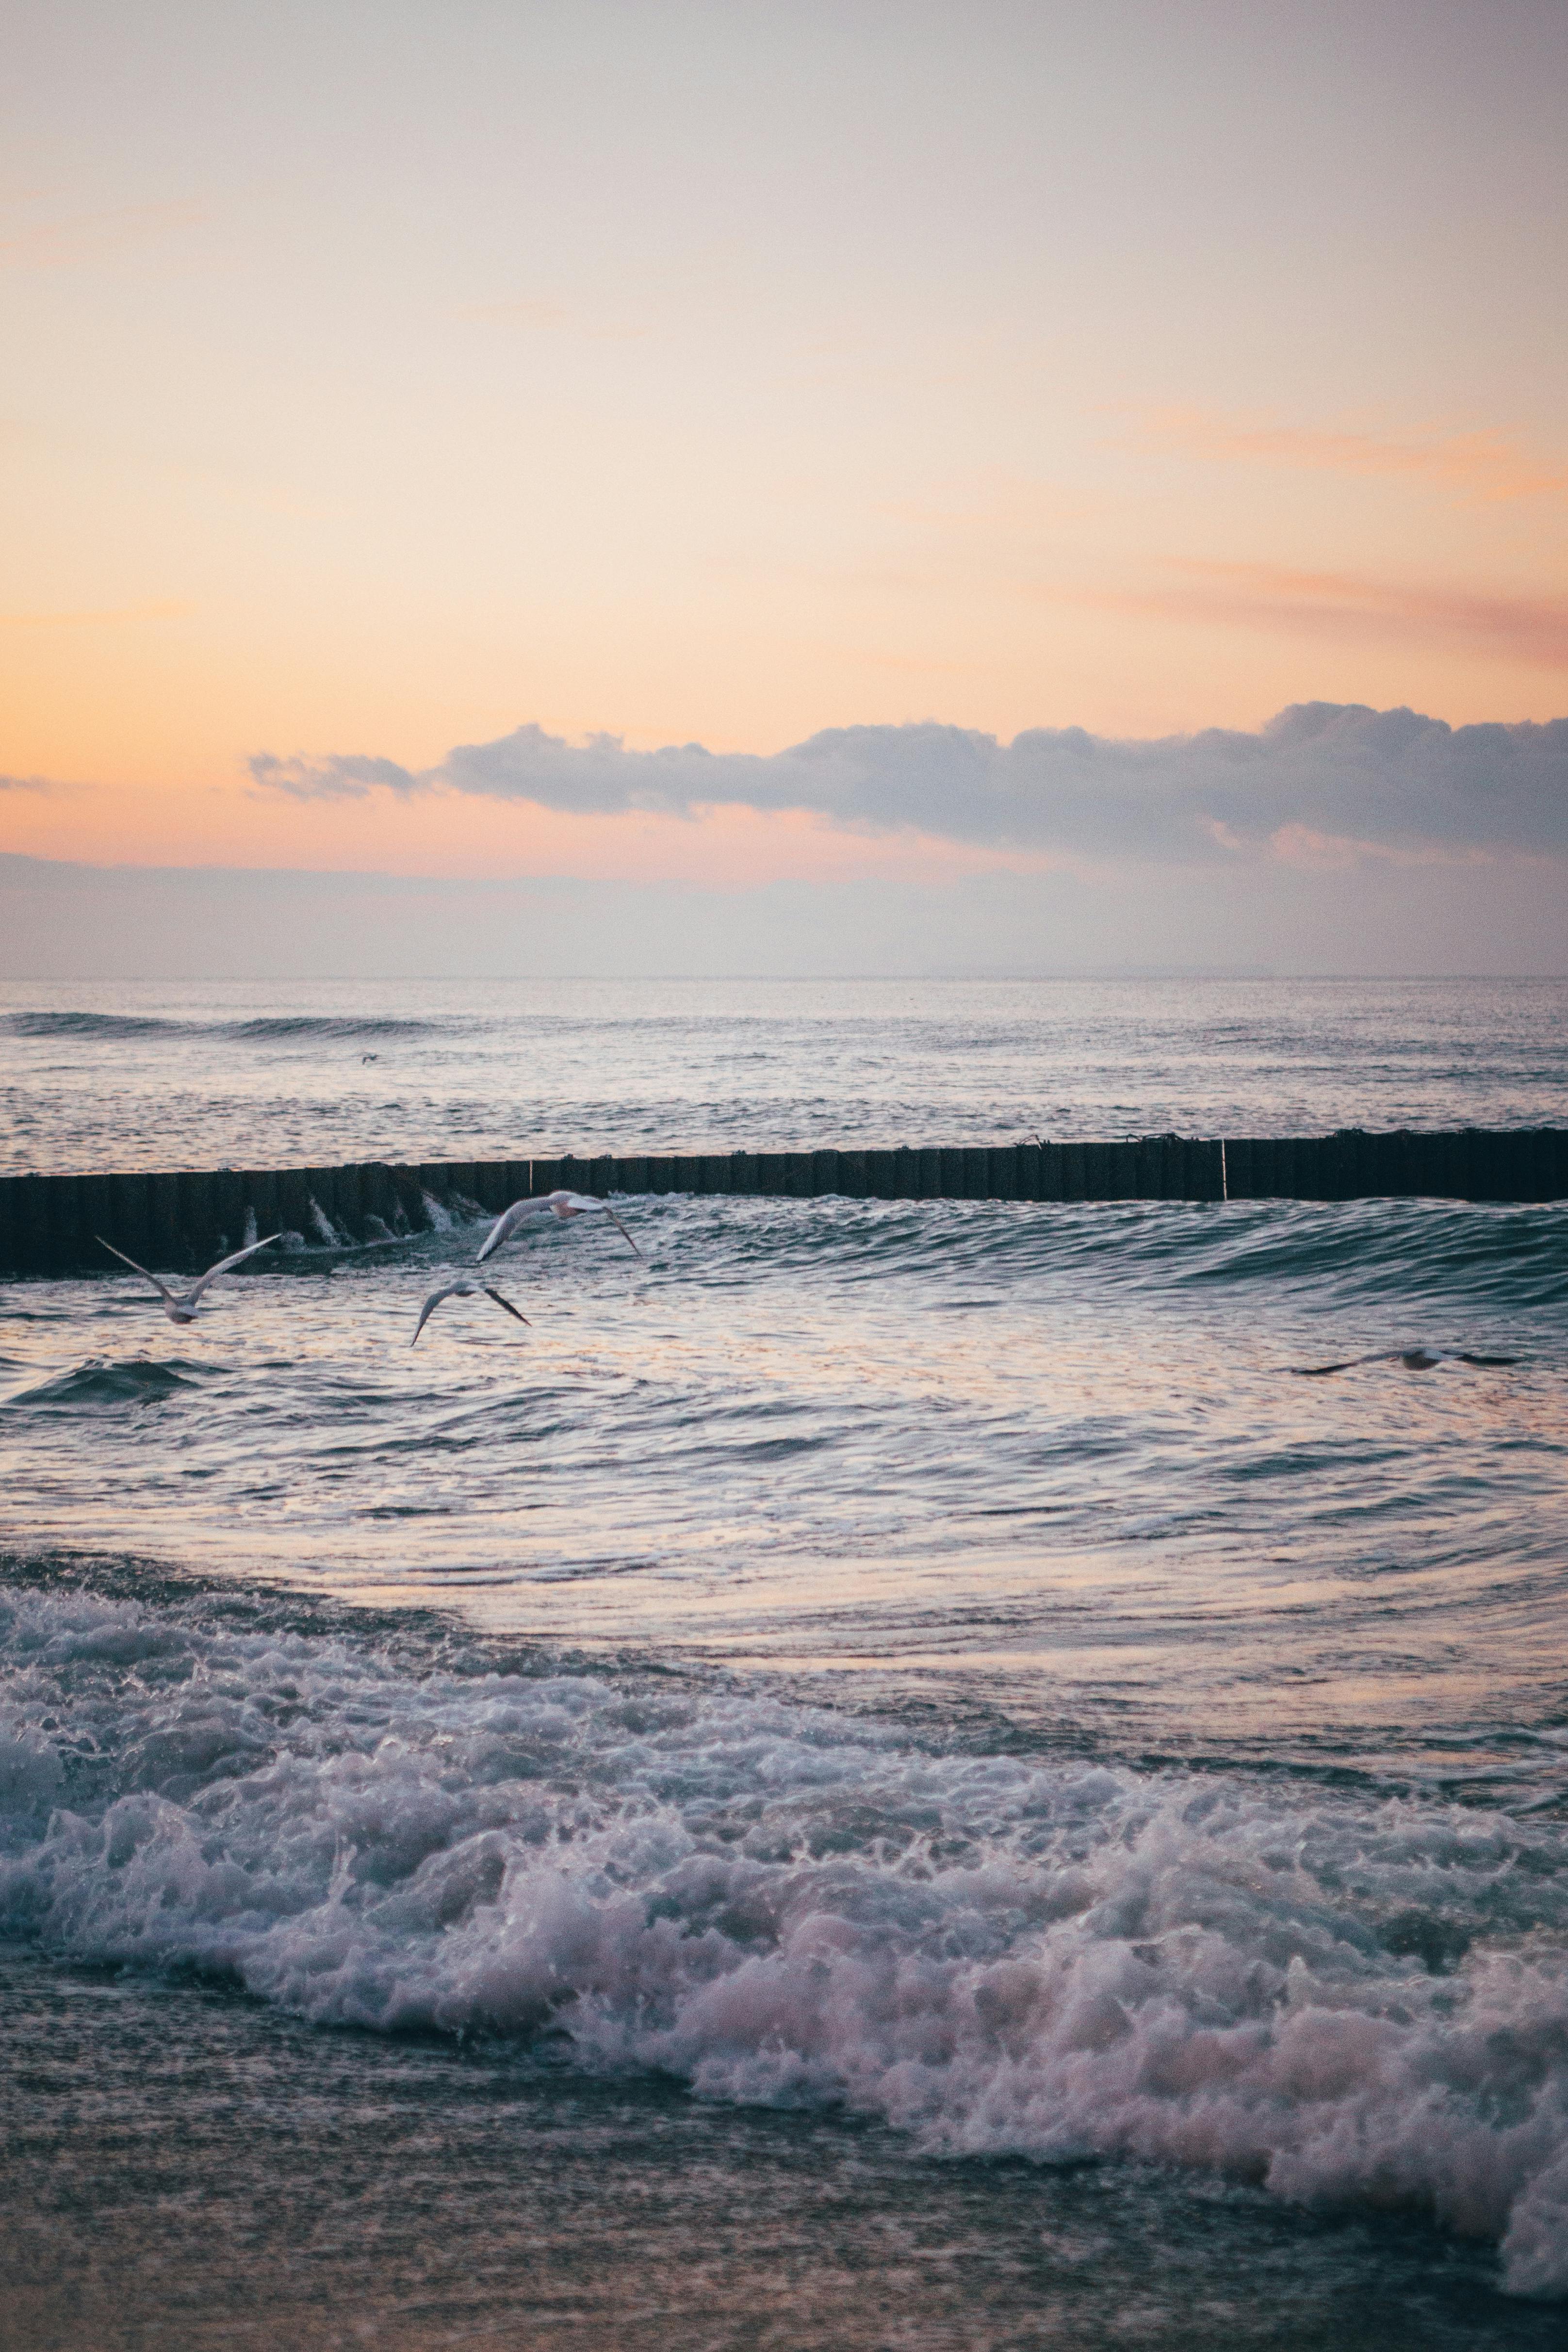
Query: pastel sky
379,381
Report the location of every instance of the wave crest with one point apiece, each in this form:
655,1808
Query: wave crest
99,1383
778,1904
269,1029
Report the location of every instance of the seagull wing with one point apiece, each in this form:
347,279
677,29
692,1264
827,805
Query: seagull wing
620,1227
504,1302
1489,1360
1316,1371
451,1290
507,1224
238,1257
161,1287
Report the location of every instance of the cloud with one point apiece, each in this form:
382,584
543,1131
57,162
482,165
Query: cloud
332,779
1366,782
1486,467
25,784
1529,629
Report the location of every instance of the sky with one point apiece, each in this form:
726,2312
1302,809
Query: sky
862,486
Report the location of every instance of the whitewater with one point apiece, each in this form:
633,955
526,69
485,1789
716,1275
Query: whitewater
906,1713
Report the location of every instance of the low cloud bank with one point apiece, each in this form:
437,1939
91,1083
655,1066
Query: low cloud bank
1322,784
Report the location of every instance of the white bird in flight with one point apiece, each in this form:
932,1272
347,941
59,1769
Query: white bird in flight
1414,1360
564,1205
464,1289
180,1306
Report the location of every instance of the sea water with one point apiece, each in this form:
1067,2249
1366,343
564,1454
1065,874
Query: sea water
885,1773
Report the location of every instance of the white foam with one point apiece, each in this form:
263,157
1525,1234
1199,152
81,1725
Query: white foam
324,1227
776,1905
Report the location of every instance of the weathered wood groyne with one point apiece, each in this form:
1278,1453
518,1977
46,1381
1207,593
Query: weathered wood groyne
187,1217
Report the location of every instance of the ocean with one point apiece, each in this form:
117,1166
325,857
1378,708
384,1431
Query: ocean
883,1774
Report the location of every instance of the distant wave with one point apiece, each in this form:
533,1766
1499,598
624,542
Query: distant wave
1349,2001
279,1028
87,1024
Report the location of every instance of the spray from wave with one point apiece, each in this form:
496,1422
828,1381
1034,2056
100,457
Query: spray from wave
1352,2001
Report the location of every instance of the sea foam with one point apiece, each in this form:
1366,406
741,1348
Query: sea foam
1353,2001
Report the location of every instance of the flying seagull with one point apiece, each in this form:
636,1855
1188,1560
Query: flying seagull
558,1204
464,1289
1414,1360
180,1306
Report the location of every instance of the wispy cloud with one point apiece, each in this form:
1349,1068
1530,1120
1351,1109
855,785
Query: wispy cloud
1530,629
25,784
1486,467
87,237
1321,781
335,778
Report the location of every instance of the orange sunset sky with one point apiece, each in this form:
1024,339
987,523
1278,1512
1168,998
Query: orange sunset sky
379,379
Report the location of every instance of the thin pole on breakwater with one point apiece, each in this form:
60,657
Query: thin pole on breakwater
187,1218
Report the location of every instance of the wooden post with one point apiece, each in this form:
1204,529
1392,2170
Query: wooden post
163,1209
378,1199
1096,1171
294,1203
880,1175
1122,1172
98,1217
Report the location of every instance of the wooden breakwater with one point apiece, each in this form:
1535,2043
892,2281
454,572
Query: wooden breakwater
187,1217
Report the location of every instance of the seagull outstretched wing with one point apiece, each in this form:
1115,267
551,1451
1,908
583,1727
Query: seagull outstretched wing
507,1224
236,1257
560,1204
1414,1360
618,1226
463,1289
161,1288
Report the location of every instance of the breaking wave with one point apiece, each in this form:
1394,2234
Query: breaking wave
1353,2001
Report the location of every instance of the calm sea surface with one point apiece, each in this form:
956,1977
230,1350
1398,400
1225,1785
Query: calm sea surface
883,1775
